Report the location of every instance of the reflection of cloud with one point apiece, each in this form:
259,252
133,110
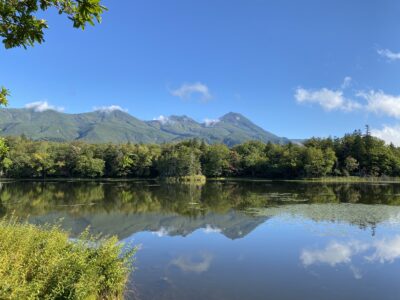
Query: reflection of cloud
190,264
335,253
356,272
210,229
163,231
386,250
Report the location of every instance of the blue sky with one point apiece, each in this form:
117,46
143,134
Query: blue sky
297,68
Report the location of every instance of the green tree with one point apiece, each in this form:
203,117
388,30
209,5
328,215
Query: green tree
4,160
178,161
143,159
350,165
283,161
216,161
3,148
88,166
253,157
317,162
42,160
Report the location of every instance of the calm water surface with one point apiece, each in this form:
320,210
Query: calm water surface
235,240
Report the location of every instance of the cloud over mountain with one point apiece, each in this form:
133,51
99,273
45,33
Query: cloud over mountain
41,106
111,108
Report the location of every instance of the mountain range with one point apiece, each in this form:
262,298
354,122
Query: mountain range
118,126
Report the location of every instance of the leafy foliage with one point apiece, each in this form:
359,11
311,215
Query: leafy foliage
19,26
354,154
179,161
4,93
5,162
43,263
126,207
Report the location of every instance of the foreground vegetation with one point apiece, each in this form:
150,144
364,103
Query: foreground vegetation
43,263
354,154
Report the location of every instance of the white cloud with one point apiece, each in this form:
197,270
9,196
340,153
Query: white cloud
210,122
390,55
335,253
211,229
390,134
356,272
193,264
111,108
346,82
162,119
41,106
326,98
386,250
377,102
186,91
162,232
380,103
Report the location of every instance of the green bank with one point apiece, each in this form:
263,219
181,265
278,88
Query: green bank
42,262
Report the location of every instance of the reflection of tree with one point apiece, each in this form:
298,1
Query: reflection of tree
32,198
211,204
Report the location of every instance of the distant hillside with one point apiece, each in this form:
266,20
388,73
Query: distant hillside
117,126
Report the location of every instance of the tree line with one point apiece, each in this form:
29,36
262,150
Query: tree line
355,154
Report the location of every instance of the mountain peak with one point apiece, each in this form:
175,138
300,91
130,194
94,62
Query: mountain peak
232,113
182,118
232,116
112,124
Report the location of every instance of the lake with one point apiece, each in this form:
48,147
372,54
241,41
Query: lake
234,240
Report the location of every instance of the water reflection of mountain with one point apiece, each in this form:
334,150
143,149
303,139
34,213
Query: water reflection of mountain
232,208
232,224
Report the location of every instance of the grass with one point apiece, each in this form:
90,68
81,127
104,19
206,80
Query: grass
353,179
195,179
42,262
200,179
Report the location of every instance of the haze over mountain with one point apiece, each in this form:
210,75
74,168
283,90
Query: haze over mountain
118,126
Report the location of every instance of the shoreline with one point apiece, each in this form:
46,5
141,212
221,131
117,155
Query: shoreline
350,179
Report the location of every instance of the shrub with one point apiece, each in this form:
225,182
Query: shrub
42,262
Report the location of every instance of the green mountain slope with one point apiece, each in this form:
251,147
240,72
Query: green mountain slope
117,126
230,129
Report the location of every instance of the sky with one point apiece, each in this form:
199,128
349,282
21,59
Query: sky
297,68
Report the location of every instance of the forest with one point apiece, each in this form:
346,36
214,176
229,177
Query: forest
355,154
